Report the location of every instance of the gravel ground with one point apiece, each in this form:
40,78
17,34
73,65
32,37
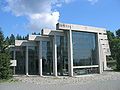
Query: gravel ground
105,81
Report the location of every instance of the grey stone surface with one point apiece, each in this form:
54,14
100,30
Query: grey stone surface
105,81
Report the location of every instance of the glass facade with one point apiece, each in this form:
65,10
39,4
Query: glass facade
84,48
85,53
21,58
62,57
33,60
47,58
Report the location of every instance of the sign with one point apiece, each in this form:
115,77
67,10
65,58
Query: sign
13,63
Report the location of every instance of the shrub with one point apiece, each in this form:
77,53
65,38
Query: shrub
5,71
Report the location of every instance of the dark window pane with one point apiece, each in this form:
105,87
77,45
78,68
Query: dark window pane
47,58
33,60
20,57
62,56
84,48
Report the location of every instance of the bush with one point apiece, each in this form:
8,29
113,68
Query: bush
5,71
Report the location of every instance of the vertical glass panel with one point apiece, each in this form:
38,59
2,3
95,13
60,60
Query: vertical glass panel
84,48
62,58
33,60
20,57
47,58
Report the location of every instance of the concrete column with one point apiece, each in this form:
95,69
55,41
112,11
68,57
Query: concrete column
14,55
54,56
40,58
26,60
105,63
100,55
70,53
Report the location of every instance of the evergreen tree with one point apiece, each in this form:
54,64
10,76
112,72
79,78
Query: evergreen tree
18,37
34,33
110,35
26,37
7,41
5,71
118,33
12,39
114,42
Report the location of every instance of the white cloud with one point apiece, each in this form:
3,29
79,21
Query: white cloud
43,20
93,1
39,13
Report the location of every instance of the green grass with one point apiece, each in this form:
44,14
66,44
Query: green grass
12,80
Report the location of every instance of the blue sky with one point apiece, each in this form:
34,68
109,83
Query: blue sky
37,14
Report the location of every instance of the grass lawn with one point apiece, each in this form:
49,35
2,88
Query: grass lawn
8,80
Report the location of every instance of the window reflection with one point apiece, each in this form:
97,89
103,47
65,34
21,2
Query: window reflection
84,48
62,59
83,71
20,57
33,60
47,58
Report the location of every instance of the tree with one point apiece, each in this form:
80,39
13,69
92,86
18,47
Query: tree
7,41
12,39
110,35
114,43
2,45
118,33
5,71
18,37
111,38
26,37
116,51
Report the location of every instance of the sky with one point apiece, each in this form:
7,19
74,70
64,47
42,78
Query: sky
26,16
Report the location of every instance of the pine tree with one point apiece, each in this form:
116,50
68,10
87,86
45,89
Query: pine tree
12,39
5,71
7,41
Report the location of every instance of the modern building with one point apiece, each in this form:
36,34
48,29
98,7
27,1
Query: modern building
69,50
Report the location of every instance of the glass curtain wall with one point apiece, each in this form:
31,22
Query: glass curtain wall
33,60
84,50
21,58
47,58
62,57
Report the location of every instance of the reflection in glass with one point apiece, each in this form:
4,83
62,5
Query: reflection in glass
20,57
62,59
84,48
47,58
83,71
33,60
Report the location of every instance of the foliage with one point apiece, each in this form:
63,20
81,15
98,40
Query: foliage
114,42
110,35
5,71
118,33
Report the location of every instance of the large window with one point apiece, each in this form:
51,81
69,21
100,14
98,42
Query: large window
62,59
84,48
33,60
20,57
47,58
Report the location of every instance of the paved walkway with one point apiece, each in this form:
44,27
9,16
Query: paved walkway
105,81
